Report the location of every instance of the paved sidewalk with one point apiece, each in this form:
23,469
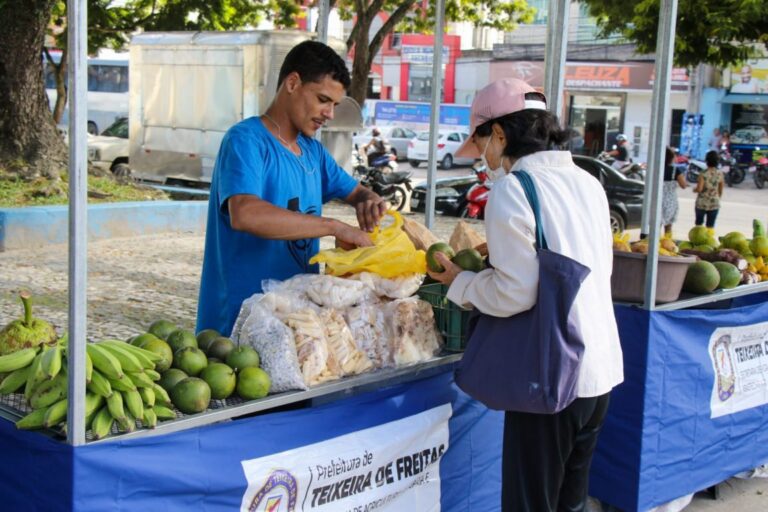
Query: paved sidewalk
134,281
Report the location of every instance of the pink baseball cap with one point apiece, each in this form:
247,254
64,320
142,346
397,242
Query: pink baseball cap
497,99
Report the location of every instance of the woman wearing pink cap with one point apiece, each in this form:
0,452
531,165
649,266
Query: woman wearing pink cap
546,457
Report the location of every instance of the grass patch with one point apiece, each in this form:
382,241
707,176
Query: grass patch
16,192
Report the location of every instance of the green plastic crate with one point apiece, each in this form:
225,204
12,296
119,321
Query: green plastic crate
451,319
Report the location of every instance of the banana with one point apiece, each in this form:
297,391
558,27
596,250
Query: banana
92,403
140,379
49,392
124,383
16,360
152,374
152,356
51,362
147,363
88,368
55,414
104,361
33,420
99,385
149,418
115,406
34,377
14,380
128,362
164,413
161,395
147,396
127,423
133,403
101,426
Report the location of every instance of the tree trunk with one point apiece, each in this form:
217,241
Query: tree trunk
29,141
361,65
60,76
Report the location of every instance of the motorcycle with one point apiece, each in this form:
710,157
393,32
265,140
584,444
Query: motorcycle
729,164
632,170
392,186
761,171
477,195
695,168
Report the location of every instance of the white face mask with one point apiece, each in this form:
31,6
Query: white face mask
493,174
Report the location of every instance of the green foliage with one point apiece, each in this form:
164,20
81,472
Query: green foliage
717,32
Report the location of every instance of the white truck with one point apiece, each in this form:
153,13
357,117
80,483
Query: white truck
188,88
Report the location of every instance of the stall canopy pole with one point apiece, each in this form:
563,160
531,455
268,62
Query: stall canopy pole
78,217
323,10
665,50
434,118
554,60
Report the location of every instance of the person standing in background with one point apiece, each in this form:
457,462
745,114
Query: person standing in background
709,189
715,140
673,178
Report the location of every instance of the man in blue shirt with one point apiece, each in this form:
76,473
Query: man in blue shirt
269,183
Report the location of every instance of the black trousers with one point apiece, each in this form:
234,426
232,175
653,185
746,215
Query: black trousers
546,457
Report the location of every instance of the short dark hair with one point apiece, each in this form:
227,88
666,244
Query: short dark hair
669,156
528,131
313,60
712,158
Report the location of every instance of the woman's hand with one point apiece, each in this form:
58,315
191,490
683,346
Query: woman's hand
449,274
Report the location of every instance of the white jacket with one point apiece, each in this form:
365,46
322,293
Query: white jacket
575,221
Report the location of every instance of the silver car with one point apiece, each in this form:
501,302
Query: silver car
397,137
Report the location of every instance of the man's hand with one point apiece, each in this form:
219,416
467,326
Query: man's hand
449,274
349,237
370,211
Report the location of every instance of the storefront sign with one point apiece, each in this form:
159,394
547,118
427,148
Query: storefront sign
391,467
602,76
750,78
416,54
393,112
739,357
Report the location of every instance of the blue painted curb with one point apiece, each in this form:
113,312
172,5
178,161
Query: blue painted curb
38,226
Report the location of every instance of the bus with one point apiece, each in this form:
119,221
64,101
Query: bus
107,89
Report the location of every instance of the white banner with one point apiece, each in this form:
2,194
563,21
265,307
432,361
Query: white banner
739,357
390,467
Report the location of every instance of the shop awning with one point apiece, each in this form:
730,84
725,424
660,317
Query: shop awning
749,99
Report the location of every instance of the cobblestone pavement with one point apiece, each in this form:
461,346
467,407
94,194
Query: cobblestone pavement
131,281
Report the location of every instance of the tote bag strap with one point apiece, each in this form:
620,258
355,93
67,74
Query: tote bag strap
533,199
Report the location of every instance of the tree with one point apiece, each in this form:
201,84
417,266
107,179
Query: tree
415,16
717,32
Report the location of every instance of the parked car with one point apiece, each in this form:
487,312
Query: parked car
109,151
397,137
447,144
749,134
450,195
625,196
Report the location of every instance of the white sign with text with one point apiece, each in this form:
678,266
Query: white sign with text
739,357
390,467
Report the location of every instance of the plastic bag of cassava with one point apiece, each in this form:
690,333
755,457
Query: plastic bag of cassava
412,331
369,330
350,359
323,290
393,288
274,341
317,363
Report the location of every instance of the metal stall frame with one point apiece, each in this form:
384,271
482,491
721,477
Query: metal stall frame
555,52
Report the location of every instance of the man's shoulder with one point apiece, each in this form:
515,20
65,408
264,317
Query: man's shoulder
250,127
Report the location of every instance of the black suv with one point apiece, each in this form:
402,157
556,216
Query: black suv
625,196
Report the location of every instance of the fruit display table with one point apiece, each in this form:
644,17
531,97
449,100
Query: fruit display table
354,445
693,408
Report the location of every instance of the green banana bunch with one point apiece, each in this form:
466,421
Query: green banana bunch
14,380
17,360
50,364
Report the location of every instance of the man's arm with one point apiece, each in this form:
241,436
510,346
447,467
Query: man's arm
253,215
368,205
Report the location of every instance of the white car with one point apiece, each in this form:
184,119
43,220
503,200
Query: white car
397,137
109,151
447,144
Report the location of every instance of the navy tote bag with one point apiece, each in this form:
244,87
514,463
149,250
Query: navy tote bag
528,362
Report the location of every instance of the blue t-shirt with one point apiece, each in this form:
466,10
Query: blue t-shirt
252,161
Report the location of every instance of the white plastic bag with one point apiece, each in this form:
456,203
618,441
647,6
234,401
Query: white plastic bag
274,341
324,290
341,342
393,288
413,334
369,330
317,364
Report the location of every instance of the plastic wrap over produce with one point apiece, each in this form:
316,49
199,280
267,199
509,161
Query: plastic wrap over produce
412,331
323,290
394,288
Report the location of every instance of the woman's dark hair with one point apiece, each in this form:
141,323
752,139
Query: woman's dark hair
313,60
528,131
669,156
712,158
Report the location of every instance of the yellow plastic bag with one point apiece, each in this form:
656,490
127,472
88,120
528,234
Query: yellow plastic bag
393,254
